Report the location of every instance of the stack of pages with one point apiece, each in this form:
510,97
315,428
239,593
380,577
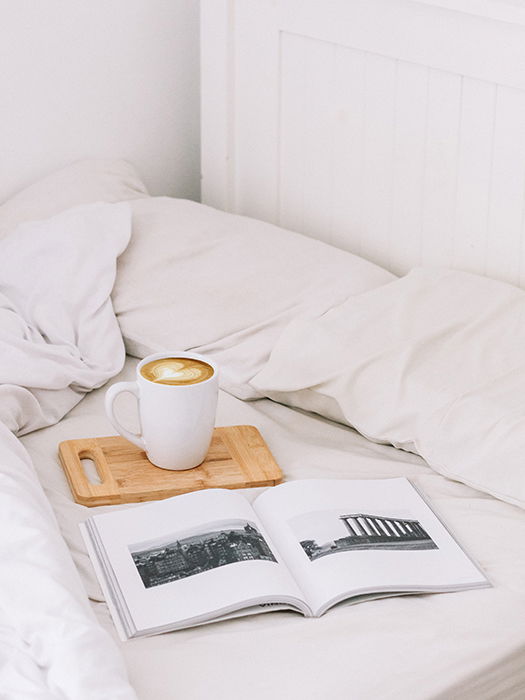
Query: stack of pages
304,546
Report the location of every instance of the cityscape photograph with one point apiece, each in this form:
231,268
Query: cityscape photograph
364,531
219,544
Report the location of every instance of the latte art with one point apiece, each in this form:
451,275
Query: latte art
176,371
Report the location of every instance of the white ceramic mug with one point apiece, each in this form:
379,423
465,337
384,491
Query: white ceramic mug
176,421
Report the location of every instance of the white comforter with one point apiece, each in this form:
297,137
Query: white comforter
58,339
461,646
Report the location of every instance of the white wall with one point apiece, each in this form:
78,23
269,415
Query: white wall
100,78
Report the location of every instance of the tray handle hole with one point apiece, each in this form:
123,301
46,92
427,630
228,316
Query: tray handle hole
90,468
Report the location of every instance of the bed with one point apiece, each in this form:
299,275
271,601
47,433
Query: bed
463,645
438,181
466,644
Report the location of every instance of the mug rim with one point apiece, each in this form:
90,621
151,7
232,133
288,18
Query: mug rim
175,355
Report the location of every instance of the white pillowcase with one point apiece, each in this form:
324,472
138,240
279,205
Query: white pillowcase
195,277
80,183
432,363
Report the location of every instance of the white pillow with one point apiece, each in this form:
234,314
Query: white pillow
433,363
80,183
195,277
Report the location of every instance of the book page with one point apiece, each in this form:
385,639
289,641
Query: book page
343,538
192,556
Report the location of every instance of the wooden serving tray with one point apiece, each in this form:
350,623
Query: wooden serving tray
238,457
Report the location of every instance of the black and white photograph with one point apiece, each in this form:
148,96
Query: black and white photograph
321,533
179,555
262,301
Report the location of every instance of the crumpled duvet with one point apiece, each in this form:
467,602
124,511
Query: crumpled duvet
59,339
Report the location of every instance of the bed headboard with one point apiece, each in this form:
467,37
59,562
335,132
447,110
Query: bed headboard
391,128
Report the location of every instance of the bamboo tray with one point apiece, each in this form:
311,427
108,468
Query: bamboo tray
238,458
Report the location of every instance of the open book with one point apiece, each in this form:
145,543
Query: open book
304,546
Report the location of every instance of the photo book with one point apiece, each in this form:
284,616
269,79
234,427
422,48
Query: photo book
304,546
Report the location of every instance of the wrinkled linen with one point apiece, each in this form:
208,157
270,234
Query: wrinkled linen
431,363
58,340
224,285
77,184
466,646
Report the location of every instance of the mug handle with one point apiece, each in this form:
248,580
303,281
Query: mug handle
111,395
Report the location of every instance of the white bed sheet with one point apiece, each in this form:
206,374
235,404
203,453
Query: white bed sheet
457,645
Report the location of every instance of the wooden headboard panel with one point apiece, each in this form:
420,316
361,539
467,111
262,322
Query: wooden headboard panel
391,128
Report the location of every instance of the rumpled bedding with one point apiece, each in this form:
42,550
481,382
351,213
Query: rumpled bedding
431,363
462,646
58,340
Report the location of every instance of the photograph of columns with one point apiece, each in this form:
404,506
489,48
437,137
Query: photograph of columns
328,532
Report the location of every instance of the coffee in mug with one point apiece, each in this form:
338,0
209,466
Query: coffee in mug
176,371
177,399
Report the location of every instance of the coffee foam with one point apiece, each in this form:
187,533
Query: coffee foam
176,371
